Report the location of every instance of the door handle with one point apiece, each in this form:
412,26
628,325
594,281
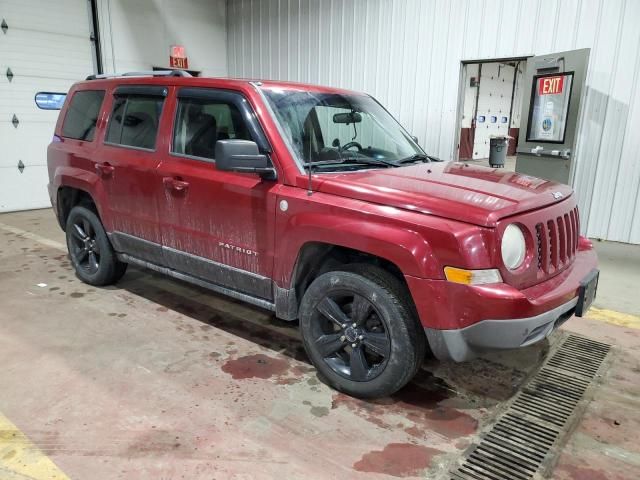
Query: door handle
175,184
105,170
539,151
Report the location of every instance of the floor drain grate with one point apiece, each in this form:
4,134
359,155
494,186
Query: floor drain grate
523,439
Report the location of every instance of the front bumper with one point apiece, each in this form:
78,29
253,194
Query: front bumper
461,321
465,343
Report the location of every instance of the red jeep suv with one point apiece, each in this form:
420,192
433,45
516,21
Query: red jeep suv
316,204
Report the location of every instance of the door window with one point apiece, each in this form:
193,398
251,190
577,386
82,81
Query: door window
134,121
201,122
82,115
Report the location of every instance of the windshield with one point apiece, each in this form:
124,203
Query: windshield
342,131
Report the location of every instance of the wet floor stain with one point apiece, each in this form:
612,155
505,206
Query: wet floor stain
170,301
160,441
319,411
255,366
424,409
397,460
76,295
315,410
582,473
488,381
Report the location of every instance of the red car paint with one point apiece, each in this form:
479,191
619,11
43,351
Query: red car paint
421,217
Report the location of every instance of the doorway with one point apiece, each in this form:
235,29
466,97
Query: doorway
490,103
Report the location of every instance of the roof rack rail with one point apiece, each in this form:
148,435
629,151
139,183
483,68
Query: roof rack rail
149,73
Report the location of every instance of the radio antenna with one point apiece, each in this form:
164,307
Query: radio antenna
309,190
310,163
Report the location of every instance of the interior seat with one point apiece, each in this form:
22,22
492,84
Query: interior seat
201,135
139,130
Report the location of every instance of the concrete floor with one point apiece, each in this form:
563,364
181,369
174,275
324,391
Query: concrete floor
156,379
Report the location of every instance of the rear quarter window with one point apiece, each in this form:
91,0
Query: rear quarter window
82,115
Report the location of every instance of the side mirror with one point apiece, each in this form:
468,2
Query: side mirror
243,156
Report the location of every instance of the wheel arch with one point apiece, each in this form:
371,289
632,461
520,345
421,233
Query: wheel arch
76,187
316,257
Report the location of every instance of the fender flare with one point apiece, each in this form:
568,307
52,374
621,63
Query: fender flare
405,248
80,179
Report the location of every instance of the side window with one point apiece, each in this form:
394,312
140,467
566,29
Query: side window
134,121
82,115
200,123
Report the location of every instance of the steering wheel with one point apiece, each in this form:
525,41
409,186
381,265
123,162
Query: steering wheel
349,145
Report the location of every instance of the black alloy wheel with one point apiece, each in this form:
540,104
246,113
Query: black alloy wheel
90,250
360,329
351,336
85,251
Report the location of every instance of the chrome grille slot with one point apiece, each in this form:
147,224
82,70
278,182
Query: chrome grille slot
557,241
539,239
553,245
569,230
562,241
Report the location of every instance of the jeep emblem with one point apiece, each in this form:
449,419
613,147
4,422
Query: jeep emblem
557,195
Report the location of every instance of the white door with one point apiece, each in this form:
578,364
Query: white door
554,86
46,46
494,104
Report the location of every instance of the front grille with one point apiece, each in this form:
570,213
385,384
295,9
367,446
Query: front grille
557,241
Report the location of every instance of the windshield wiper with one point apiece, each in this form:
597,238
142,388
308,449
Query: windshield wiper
351,161
418,157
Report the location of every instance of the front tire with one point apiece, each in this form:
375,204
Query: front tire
360,330
90,251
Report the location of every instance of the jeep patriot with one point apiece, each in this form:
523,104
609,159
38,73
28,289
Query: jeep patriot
315,203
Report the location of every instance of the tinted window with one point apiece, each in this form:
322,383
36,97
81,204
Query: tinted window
134,121
82,115
200,123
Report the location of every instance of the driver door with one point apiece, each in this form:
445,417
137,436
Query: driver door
216,225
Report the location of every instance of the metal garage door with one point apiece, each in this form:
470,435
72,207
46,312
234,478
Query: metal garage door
46,46
494,105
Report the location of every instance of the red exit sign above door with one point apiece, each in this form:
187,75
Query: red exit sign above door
178,57
550,85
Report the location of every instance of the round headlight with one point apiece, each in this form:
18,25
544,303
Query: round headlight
514,247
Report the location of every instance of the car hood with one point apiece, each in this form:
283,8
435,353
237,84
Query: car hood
455,190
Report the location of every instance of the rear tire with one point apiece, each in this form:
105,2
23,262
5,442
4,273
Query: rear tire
90,251
361,332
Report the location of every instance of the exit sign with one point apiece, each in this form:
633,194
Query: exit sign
550,85
178,57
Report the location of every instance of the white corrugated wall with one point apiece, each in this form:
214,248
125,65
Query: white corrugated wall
407,54
137,35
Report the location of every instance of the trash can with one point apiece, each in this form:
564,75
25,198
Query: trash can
498,151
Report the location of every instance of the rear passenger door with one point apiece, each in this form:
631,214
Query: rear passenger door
127,166
216,225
